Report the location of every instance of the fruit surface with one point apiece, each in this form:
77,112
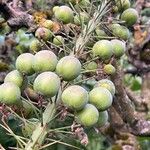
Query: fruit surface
27,109
103,118
1,92
100,33
119,47
88,116
68,67
92,66
35,45
101,98
130,16
15,77
122,4
43,33
58,40
105,83
64,14
103,49
24,63
44,60
48,24
109,69
81,18
75,97
47,84
12,94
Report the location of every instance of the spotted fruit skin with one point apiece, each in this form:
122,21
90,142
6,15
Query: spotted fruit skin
109,69
75,97
101,98
44,60
58,40
47,84
88,116
68,67
122,4
24,63
35,45
103,118
48,24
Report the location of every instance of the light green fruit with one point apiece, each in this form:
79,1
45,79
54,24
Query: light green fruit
122,4
68,68
100,33
130,16
15,77
58,40
48,24
109,69
35,45
1,92
11,94
44,60
88,116
47,84
92,65
24,63
55,8
64,14
103,49
84,3
43,33
81,18
27,109
119,47
75,97
105,83
103,118
101,98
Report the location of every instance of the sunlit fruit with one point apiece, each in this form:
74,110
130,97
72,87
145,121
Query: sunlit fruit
109,69
92,66
130,16
119,47
11,94
48,24
103,49
64,14
81,18
55,8
88,116
122,4
68,68
105,83
35,45
47,84
43,33
101,98
44,60
58,40
15,77
100,33
24,63
75,97
1,92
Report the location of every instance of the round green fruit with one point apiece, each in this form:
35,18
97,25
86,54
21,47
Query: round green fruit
43,33
58,40
44,60
81,18
1,92
109,69
47,84
84,3
101,98
100,33
11,94
15,77
55,8
68,68
103,118
105,83
64,14
75,97
103,49
130,16
88,116
122,4
92,66
119,47
24,63
27,108
35,45
48,24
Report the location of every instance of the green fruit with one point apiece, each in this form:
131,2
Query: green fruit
69,68
130,16
35,45
92,65
123,4
84,3
44,60
101,98
75,97
15,77
88,116
55,8
43,33
103,49
48,24
11,94
64,14
81,18
100,33
103,118
105,83
119,47
24,63
58,40
1,92
27,109
47,84
109,69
